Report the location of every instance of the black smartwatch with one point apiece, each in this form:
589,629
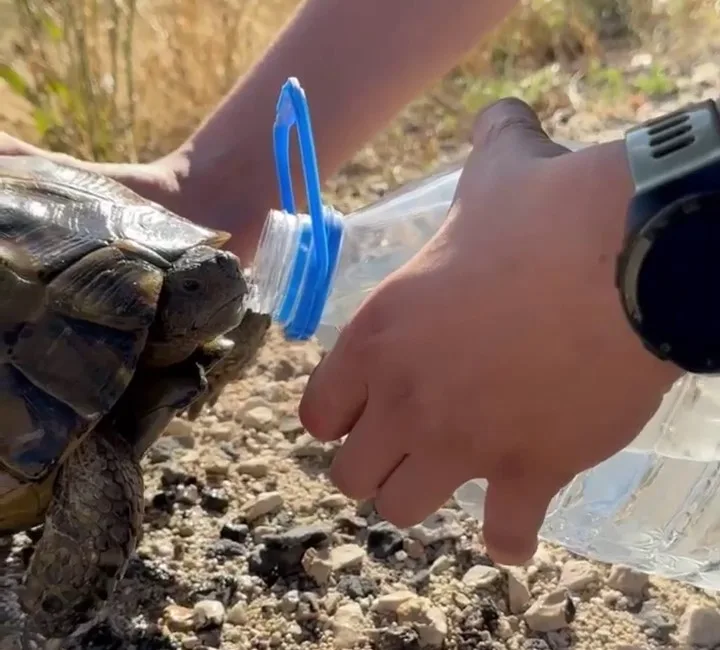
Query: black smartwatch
668,272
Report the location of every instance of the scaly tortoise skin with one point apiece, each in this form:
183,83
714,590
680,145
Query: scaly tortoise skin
115,316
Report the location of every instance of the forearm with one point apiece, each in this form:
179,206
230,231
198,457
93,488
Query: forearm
360,63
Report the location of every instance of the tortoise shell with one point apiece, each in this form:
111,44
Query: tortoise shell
82,265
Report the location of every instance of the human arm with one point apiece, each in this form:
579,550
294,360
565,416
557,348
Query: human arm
360,62
505,352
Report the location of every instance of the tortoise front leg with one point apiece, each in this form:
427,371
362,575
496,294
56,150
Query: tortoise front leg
91,528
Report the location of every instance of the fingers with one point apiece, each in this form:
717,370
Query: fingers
514,513
337,391
367,457
335,395
511,123
420,485
10,146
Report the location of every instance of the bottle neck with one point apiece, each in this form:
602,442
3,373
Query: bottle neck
286,282
273,264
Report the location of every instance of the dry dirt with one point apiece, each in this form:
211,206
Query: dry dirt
247,544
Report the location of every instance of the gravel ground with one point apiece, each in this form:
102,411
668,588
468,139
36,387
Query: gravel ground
248,546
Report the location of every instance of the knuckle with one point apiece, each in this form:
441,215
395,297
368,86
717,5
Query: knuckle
502,115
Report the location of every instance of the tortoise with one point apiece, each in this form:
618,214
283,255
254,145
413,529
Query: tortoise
116,315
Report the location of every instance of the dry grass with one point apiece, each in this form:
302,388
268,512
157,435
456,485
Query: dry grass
129,79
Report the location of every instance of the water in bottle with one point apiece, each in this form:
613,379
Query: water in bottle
654,506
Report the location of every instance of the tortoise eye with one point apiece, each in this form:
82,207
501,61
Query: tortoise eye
190,285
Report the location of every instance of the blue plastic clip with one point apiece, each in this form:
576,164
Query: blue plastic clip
320,240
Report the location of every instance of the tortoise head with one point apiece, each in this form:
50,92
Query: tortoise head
203,296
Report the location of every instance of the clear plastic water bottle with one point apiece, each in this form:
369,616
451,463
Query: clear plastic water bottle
654,506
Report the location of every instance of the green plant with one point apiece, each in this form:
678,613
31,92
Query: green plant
80,101
654,83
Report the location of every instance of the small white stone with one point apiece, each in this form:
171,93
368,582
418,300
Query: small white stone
347,556
577,575
700,626
260,418
480,576
429,621
389,603
263,504
348,624
237,614
208,613
553,611
255,467
518,591
628,581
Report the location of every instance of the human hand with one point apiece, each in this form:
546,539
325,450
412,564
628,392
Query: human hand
156,181
500,350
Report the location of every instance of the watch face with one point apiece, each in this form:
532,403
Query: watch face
678,284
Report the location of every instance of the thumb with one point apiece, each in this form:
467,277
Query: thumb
510,125
514,513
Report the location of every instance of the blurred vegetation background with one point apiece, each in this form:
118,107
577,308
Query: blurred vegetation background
129,79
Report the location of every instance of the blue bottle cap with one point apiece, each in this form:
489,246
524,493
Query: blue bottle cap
313,267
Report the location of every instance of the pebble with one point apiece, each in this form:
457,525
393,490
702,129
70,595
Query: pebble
438,527
700,626
577,575
480,576
208,614
215,501
518,591
260,418
256,467
384,540
235,532
332,501
237,614
178,619
552,611
655,622
356,587
308,447
347,557
263,504
628,581
348,624
389,603
426,619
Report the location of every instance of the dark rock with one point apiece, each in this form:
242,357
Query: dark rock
235,532
215,501
481,616
174,475
420,580
147,571
281,554
351,524
656,623
397,638
34,534
356,587
26,553
222,588
163,501
536,644
384,540
226,548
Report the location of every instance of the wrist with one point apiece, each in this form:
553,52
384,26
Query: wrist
608,182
